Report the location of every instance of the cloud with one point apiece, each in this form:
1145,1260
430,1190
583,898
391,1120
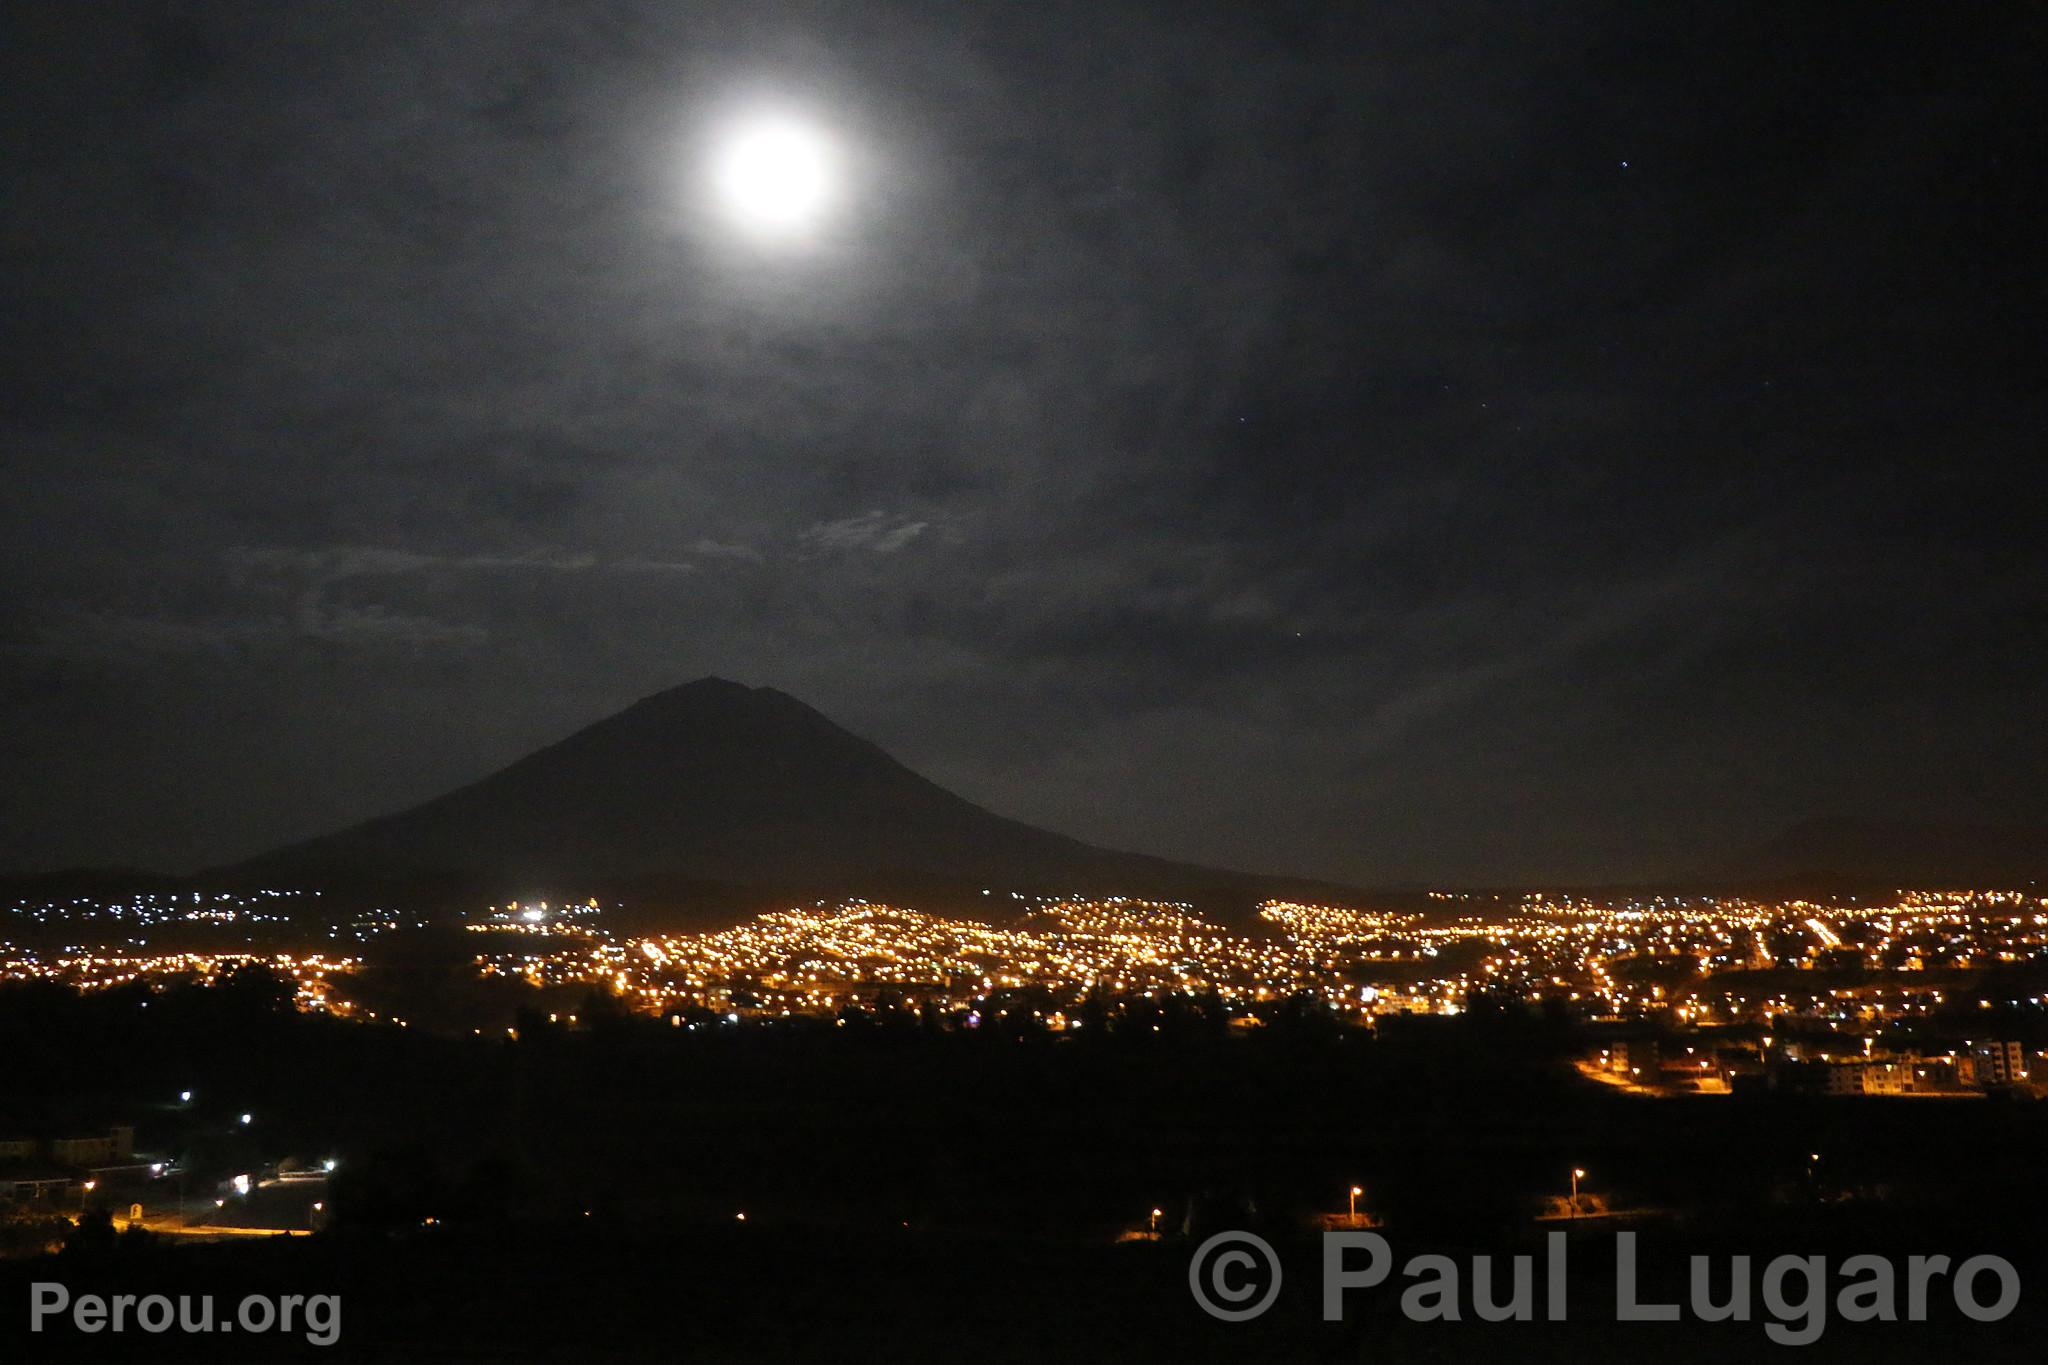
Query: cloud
537,560
650,566
323,588
871,531
715,549
323,570
334,563
114,638
377,625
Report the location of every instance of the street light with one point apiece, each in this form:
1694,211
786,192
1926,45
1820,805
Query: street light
1578,1174
1356,1190
248,1119
1155,1221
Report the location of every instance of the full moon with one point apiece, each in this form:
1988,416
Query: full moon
775,178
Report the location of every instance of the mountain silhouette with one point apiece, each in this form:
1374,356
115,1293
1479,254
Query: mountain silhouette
715,784
1899,853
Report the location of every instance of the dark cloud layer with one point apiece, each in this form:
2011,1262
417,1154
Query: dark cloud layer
1393,441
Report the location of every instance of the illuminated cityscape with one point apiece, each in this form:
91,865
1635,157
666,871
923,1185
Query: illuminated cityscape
1686,960
1872,996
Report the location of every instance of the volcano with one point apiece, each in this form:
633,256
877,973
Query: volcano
716,784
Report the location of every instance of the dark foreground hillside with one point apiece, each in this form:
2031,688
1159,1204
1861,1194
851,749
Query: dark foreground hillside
915,1195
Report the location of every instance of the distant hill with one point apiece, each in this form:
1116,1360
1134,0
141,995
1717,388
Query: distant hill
1899,853
90,883
714,790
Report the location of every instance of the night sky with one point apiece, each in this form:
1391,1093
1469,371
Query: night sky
1374,441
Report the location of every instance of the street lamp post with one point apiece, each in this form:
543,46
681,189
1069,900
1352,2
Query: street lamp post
1356,1190
1578,1174
1155,1222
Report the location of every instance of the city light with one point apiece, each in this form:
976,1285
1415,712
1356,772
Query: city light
1807,989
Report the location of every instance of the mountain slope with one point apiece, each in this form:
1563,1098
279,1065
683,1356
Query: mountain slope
714,782
1901,853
